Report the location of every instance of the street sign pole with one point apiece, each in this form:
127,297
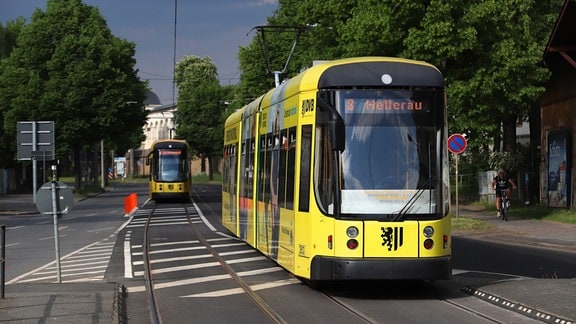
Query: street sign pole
457,144
56,199
56,232
457,200
34,162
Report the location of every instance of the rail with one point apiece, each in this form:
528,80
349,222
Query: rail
2,259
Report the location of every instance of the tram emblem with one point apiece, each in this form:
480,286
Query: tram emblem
392,237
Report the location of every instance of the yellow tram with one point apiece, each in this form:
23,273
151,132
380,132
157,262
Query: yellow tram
170,175
341,173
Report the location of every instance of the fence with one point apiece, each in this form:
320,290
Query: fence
468,189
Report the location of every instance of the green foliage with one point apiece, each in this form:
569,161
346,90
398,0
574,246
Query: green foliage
201,106
488,51
512,162
8,36
69,68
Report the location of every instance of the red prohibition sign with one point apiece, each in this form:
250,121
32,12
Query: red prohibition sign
456,143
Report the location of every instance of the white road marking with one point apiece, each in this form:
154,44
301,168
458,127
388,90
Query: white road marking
186,282
237,291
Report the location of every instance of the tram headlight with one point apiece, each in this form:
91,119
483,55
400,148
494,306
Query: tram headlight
352,232
428,231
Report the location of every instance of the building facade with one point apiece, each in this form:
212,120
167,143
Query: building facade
558,113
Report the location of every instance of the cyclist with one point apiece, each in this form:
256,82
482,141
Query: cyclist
501,182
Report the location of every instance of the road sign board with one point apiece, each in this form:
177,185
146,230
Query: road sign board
64,198
35,140
457,143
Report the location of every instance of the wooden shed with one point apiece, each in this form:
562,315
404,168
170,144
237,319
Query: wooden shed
558,112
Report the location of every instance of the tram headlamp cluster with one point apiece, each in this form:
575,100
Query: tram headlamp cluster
428,244
428,231
352,232
352,244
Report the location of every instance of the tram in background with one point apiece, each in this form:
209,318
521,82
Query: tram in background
342,173
170,174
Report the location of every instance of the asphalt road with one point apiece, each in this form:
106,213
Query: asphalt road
477,255
91,235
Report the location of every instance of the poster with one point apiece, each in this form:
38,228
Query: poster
558,169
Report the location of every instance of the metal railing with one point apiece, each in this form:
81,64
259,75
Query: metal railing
2,259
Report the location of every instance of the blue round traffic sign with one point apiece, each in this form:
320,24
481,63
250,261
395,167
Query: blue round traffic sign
456,143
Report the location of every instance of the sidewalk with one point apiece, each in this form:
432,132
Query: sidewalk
63,303
87,302
548,300
535,233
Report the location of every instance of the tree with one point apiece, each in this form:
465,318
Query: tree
69,68
488,51
8,36
201,107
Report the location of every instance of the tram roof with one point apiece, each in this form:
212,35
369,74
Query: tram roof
360,72
368,71
349,72
166,143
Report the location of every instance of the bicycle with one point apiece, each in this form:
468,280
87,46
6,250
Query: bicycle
504,205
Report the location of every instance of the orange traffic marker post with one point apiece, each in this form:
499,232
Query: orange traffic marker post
130,203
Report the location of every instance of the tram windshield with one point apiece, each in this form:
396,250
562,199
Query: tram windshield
390,161
171,165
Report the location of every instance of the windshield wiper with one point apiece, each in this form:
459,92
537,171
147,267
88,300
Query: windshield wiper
412,201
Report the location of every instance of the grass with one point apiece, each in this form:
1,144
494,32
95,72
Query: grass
203,178
539,212
467,225
561,215
536,212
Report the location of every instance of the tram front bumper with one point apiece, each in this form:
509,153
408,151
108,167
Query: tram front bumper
326,268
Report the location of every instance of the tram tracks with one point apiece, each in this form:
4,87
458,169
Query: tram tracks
349,308
153,304
228,276
248,290
149,283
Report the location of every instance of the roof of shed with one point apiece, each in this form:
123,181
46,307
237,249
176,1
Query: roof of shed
563,37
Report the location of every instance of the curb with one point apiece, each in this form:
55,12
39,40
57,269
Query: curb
119,307
516,307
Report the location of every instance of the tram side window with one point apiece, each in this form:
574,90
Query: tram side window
225,172
290,166
305,159
324,170
271,169
247,168
229,168
276,173
283,148
264,172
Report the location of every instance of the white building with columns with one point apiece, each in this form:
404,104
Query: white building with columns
160,125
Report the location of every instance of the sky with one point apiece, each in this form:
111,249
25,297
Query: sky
214,28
